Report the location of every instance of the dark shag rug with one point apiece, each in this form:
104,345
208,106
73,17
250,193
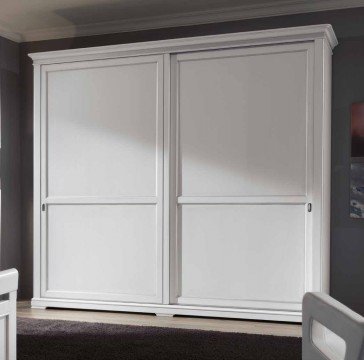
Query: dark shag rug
61,340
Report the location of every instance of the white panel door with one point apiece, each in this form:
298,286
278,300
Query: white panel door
102,185
244,156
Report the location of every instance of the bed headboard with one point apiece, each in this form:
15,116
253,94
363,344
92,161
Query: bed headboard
8,294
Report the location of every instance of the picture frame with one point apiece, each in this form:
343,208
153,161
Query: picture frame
357,161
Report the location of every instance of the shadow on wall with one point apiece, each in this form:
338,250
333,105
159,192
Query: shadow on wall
137,14
10,167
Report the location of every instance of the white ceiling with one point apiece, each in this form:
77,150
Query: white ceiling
28,20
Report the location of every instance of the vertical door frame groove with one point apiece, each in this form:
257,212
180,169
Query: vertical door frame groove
37,183
166,179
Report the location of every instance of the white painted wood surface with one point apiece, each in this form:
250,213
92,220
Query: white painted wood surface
116,246
228,258
178,182
243,121
102,128
244,136
102,161
8,294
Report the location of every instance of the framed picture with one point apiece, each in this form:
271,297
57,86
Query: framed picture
357,161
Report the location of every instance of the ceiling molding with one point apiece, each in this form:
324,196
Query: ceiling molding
6,33
282,7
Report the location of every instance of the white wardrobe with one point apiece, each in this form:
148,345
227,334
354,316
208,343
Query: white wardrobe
187,176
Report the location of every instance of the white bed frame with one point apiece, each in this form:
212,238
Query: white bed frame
330,330
8,293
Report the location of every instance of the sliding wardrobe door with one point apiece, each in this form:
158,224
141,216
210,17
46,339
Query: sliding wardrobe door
243,147
101,179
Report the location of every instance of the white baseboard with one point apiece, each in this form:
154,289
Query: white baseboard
248,314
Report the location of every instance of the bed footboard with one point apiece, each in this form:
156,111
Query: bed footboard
330,330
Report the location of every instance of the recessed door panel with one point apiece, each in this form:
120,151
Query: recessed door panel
242,123
236,255
102,130
104,249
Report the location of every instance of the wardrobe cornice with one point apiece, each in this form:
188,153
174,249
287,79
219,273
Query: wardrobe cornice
240,39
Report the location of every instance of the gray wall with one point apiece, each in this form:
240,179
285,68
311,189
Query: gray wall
347,235
10,240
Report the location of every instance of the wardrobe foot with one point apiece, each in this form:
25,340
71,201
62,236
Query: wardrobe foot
164,315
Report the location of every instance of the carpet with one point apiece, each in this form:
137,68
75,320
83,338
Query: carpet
58,340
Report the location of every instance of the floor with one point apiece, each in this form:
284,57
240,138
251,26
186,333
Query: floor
183,322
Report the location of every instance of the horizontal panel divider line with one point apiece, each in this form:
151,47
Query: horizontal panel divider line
93,295
84,200
241,200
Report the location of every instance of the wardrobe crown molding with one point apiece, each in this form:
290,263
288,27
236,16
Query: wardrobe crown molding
209,42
